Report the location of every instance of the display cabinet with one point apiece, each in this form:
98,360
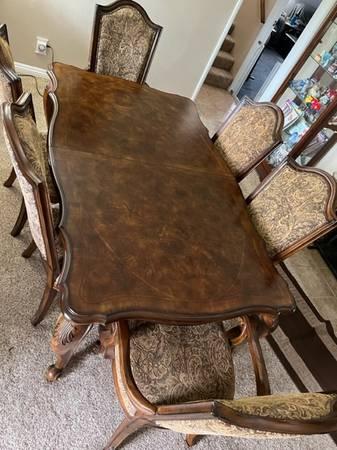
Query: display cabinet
308,98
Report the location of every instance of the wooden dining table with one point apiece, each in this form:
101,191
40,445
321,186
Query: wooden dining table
154,223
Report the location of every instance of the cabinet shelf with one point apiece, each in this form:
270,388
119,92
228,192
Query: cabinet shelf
308,98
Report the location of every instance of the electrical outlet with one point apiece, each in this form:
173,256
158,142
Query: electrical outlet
41,46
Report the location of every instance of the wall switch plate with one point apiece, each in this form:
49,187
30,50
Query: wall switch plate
41,46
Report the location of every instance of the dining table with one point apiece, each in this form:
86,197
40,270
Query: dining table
154,224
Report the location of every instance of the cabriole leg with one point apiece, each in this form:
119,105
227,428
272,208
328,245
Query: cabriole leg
261,375
20,221
66,338
124,430
10,180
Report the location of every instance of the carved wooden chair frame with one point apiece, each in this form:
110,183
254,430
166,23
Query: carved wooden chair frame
15,84
330,211
277,132
42,200
101,10
146,414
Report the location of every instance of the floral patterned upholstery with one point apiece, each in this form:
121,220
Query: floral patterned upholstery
124,43
30,202
6,54
7,58
248,134
34,145
299,407
308,406
290,207
5,89
176,364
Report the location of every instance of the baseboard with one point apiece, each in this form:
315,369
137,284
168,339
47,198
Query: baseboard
25,69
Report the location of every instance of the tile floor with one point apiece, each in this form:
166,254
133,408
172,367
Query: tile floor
307,266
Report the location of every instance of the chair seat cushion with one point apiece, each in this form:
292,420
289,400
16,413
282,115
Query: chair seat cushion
176,364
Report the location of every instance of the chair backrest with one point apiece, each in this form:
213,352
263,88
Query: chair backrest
272,416
248,135
124,41
10,83
292,207
24,143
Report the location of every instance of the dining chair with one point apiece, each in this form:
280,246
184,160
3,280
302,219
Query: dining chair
10,82
124,41
25,146
248,135
182,378
293,207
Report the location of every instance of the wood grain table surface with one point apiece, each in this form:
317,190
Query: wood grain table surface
156,225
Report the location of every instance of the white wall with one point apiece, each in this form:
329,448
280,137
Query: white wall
192,29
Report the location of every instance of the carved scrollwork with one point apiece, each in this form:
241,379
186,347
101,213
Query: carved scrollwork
66,338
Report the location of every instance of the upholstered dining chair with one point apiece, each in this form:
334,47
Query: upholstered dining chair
182,378
248,135
10,82
25,146
124,41
293,207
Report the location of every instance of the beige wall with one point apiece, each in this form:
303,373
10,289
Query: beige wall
191,31
247,27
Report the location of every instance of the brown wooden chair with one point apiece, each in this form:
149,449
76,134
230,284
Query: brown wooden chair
26,148
248,135
293,207
124,41
10,82
182,378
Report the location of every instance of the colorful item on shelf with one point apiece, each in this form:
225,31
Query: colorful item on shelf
290,113
278,155
333,69
316,90
308,99
294,138
317,58
326,58
316,105
302,86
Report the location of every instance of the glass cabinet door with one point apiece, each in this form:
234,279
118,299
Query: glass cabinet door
308,95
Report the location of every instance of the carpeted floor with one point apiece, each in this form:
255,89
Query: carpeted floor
80,411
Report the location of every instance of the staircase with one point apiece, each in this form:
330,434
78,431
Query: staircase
220,73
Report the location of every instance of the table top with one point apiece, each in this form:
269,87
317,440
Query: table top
156,224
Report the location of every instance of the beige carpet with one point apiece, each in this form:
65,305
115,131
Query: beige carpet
80,411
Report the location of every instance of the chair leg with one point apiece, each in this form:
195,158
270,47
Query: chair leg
10,180
66,338
47,299
20,221
29,250
191,439
124,430
261,374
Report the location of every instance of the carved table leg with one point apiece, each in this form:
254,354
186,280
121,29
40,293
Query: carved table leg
238,334
266,324
261,375
107,338
66,338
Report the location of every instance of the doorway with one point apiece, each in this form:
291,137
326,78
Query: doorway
284,35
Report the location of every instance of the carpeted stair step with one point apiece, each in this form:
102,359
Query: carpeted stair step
228,44
224,60
219,78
